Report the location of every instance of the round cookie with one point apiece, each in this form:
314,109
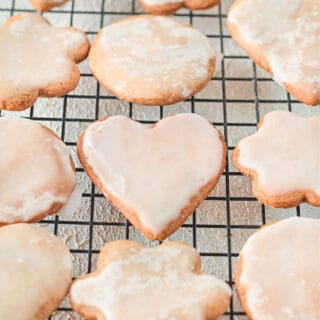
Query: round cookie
155,176
171,6
134,282
283,38
37,60
45,5
152,60
35,272
37,175
282,159
277,273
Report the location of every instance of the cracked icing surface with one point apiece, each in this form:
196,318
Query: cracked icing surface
284,153
151,58
35,170
35,272
28,47
159,279
146,168
287,34
280,271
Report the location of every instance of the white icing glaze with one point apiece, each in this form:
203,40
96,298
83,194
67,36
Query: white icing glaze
152,284
150,57
161,2
35,272
35,170
280,271
154,171
285,153
34,55
73,204
287,32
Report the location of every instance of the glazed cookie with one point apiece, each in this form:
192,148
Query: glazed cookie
37,175
283,159
134,282
283,38
171,6
38,60
44,5
152,60
35,272
155,176
277,274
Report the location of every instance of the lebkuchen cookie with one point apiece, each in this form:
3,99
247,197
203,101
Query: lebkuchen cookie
152,60
38,60
283,38
171,6
277,274
37,175
155,176
35,272
134,282
283,159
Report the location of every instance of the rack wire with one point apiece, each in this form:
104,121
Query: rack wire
235,100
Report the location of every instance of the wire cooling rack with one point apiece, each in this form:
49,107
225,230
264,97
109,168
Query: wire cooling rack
235,100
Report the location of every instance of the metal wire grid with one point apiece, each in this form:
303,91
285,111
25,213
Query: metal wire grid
234,205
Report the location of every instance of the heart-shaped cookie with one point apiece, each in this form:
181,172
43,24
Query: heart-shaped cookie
155,176
35,272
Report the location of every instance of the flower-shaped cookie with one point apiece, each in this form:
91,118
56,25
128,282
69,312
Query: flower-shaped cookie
44,5
38,60
283,159
134,282
283,37
171,6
